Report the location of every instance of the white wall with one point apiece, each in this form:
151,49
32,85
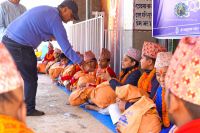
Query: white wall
128,14
33,3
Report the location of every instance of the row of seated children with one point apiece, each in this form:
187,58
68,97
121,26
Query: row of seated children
98,85
144,107
54,63
89,69
50,58
93,76
102,95
149,104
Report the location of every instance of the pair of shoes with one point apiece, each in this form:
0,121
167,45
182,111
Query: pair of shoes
35,113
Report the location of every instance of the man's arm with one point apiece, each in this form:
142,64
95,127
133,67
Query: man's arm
2,23
60,34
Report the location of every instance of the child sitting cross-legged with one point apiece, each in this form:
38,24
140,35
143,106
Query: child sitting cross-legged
56,69
89,67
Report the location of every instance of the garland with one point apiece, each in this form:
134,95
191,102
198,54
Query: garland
126,76
145,81
165,117
49,55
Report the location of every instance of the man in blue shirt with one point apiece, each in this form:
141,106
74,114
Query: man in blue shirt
25,34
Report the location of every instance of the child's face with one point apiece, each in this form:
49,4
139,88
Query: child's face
160,75
56,55
103,63
127,62
50,47
144,62
86,66
63,61
89,66
93,65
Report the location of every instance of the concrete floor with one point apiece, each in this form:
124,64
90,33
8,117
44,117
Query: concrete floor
60,118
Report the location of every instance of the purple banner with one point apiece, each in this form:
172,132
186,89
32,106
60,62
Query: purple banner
176,18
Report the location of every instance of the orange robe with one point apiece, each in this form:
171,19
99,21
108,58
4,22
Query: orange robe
84,88
11,125
141,117
55,70
48,57
103,95
80,96
69,72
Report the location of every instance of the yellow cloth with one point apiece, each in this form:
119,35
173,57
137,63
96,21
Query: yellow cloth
11,125
38,54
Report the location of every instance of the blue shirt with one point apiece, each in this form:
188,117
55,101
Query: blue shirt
40,24
132,79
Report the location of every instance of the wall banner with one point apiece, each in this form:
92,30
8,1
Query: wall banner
176,18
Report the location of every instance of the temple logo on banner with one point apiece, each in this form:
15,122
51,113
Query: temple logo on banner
179,18
142,15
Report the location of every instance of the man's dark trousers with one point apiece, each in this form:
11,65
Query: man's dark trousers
26,62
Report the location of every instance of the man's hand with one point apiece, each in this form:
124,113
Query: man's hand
82,62
106,76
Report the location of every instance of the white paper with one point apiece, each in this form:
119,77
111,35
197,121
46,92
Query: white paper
115,112
104,111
